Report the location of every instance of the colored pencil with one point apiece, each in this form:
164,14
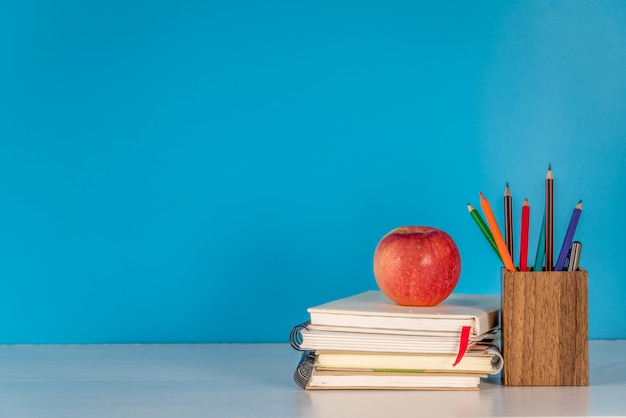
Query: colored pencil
483,228
549,220
497,235
541,246
508,220
523,246
569,236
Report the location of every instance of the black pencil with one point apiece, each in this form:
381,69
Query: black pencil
508,220
549,220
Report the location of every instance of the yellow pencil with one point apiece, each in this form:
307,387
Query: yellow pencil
497,235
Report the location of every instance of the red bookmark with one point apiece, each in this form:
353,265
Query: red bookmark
465,333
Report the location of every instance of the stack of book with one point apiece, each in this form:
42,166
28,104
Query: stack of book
366,341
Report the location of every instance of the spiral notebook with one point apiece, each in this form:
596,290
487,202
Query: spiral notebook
372,312
303,338
309,376
367,341
481,359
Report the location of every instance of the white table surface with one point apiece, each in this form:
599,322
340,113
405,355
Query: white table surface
256,380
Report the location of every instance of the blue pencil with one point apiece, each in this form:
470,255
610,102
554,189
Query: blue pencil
569,236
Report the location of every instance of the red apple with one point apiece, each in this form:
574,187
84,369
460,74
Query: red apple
417,265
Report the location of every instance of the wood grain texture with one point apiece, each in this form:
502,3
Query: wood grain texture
545,328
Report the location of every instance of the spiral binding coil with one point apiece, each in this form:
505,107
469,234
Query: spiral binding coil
305,369
295,338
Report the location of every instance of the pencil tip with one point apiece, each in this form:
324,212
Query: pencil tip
549,166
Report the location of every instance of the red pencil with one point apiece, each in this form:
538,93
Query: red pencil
523,248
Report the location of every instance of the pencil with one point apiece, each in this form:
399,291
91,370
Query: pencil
549,220
541,246
569,236
497,235
523,246
483,228
508,220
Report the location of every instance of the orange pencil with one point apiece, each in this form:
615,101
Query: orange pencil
508,220
523,247
549,220
497,235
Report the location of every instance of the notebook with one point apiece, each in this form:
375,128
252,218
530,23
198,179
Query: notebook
304,339
483,359
308,376
372,312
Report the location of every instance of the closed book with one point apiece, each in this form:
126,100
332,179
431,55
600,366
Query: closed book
374,312
481,360
366,341
309,376
345,380
305,339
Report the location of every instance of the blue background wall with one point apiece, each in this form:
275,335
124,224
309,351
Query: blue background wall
205,171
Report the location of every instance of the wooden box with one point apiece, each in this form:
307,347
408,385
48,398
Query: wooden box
545,328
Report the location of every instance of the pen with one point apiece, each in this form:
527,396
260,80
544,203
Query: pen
574,259
497,235
569,236
549,220
523,250
483,228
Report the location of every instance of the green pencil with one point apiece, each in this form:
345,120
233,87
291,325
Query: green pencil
483,228
541,246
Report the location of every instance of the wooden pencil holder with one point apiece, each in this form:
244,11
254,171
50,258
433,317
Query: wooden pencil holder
545,328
